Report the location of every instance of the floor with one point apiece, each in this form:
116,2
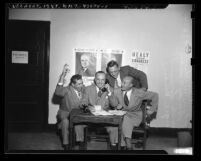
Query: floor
51,141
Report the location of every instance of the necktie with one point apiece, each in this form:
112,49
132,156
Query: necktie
79,95
126,101
116,84
99,93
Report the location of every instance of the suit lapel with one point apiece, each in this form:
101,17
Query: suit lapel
135,101
93,94
132,99
74,95
121,98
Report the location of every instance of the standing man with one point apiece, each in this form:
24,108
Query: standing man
72,96
115,75
98,94
84,60
129,98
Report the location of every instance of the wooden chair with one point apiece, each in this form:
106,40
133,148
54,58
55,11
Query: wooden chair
140,133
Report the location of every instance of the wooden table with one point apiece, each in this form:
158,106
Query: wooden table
77,116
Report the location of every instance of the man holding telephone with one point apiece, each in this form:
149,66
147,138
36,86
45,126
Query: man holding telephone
98,94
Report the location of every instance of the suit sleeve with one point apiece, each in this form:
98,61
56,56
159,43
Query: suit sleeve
113,102
153,96
60,91
139,75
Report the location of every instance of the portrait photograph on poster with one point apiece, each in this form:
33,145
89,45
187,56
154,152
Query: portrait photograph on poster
108,55
85,62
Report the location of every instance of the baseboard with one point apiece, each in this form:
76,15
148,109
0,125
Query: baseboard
156,131
170,132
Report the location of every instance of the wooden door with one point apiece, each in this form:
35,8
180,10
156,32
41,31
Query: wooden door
27,74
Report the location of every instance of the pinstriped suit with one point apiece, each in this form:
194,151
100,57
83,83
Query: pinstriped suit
70,100
140,77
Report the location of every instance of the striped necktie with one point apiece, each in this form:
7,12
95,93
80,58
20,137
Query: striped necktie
79,95
99,93
126,101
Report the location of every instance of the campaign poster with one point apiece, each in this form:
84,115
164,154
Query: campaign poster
140,60
108,55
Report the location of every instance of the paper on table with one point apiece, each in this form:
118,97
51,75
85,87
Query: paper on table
102,112
117,112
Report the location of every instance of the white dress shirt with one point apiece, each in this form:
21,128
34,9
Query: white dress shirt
119,80
128,94
77,93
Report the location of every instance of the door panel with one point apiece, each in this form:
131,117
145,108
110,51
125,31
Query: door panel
27,82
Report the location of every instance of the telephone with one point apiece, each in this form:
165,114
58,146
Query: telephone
85,108
104,89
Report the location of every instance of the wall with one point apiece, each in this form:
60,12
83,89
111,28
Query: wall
165,33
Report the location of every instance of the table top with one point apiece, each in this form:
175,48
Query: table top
78,116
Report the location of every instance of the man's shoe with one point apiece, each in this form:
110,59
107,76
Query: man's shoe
123,148
128,148
138,145
66,147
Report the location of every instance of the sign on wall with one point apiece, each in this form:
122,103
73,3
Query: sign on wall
20,57
140,60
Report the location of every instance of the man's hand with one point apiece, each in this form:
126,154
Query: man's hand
63,74
107,86
144,89
66,69
119,107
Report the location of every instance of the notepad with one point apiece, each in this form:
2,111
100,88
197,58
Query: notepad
102,112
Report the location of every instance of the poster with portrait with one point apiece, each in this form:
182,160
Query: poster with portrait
108,55
85,64
140,60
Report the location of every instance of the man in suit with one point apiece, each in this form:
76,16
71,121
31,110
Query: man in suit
129,98
84,71
97,95
115,75
72,96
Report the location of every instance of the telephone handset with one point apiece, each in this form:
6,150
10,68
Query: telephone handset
104,89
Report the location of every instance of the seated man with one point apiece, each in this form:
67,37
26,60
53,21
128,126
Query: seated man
71,98
129,98
97,95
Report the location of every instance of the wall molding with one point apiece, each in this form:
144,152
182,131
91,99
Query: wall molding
158,131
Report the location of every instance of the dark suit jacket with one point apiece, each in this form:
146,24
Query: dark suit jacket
70,99
140,78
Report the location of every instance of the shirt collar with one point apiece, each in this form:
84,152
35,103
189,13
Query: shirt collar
128,92
97,89
76,91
